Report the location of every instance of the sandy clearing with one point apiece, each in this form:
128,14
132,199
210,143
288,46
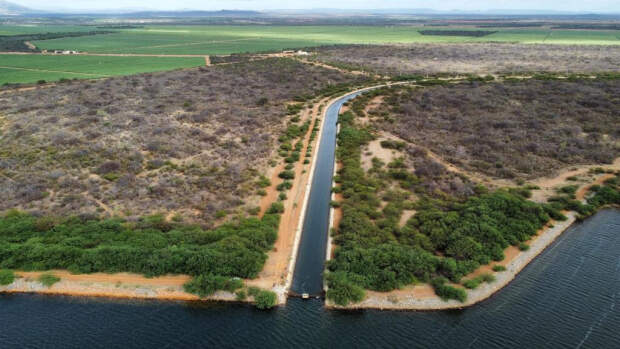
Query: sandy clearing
30,45
406,215
549,184
374,149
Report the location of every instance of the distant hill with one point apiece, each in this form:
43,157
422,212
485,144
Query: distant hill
11,9
177,14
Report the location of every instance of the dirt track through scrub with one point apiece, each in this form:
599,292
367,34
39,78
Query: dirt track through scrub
274,273
54,71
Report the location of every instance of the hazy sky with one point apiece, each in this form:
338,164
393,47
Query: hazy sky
474,5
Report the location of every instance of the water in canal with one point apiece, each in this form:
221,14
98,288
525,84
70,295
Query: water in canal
308,275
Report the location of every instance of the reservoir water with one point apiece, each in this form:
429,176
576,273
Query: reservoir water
568,297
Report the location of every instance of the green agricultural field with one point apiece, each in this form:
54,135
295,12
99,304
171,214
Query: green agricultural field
35,29
32,68
236,39
221,40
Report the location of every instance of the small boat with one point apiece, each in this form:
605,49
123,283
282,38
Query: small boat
305,296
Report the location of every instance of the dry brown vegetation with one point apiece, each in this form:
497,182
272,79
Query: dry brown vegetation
521,129
483,58
190,142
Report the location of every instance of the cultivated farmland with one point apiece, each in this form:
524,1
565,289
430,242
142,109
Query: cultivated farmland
234,39
34,68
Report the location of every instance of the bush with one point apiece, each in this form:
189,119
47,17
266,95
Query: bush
265,299
241,295
206,285
472,283
499,268
390,144
448,292
276,207
150,246
263,182
284,186
287,174
341,291
253,291
6,277
48,279
523,246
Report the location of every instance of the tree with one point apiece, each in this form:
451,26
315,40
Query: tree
265,299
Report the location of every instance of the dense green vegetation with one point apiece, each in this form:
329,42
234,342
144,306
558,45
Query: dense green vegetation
33,68
151,247
265,299
466,33
48,279
6,277
206,285
475,282
598,196
225,40
447,238
17,42
221,39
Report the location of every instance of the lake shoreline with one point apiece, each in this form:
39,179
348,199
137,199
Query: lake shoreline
418,298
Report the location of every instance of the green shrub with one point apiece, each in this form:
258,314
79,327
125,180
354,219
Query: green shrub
112,177
284,186
263,182
276,207
523,246
341,291
6,277
151,246
48,279
265,299
287,174
486,277
568,189
498,268
446,291
253,291
390,144
206,285
241,295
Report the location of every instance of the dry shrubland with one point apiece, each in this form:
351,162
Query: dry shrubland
508,130
472,58
189,141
